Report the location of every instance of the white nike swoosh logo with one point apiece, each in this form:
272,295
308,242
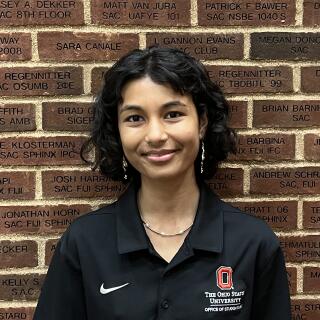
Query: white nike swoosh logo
105,291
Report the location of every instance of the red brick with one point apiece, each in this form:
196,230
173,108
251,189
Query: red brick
97,79
285,45
311,13
49,250
41,12
238,114
311,279
17,185
312,146
311,214
286,113
300,249
250,79
81,46
310,79
145,13
206,46
227,182
302,180
264,147
305,309
39,219
18,254
67,116
16,313
17,117
21,286
246,13
79,184
23,81
292,279
15,46
41,151
280,215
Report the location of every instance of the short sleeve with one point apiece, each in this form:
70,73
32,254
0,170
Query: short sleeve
271,298
62,293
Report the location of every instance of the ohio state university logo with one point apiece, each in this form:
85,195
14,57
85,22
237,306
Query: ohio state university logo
224,278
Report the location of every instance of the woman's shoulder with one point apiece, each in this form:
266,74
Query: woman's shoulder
248,225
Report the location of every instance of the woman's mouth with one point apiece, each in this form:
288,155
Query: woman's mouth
160,158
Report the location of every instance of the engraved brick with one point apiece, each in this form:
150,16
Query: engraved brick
49,250
301,249
312,146
15,46
302,180
97,79
80,46
41,151
23,81
285,45
280,215
227,182
264,147
243,79
18,254
146,13
39,219
17,117
67,116
17,185
311,214
79,184
41,12
16,313
206,46
21,286
246,13
286,113
310,79
311,279
238,114
292,279
311,13
305,309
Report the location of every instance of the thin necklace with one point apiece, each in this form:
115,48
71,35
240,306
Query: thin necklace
147,225
160,233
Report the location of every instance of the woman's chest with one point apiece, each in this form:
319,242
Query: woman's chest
144,287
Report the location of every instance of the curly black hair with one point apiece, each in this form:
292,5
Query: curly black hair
185,75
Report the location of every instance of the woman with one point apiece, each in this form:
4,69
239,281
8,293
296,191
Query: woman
168,248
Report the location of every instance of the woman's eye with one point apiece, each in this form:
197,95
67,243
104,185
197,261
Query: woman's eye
133,118
174,113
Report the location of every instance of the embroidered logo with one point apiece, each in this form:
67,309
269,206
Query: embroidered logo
224,278
105,291
230,295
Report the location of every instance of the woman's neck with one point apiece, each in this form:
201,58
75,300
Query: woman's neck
168,205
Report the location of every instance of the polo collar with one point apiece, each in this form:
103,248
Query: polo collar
205,234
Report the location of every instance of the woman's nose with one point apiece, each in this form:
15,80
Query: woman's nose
156,132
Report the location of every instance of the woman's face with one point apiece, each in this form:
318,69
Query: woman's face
159,129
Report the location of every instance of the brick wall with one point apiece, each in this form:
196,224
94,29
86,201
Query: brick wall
264,54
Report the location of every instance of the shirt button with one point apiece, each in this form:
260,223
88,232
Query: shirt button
165,304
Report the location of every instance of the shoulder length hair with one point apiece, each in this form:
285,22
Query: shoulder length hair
185,75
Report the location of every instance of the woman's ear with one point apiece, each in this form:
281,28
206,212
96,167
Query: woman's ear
203,125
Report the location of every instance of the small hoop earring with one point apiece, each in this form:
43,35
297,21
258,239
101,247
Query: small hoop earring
202,157
124,167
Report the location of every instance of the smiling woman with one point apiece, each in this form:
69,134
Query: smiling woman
169,247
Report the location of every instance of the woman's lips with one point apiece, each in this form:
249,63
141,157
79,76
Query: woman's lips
160,158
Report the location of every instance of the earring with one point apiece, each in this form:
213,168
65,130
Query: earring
124,167
202,157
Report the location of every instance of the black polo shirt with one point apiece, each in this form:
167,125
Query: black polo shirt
230,266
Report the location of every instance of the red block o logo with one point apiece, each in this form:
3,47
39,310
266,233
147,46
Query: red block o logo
224,278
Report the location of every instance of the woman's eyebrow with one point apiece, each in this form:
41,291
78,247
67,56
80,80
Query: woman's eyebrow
175,103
